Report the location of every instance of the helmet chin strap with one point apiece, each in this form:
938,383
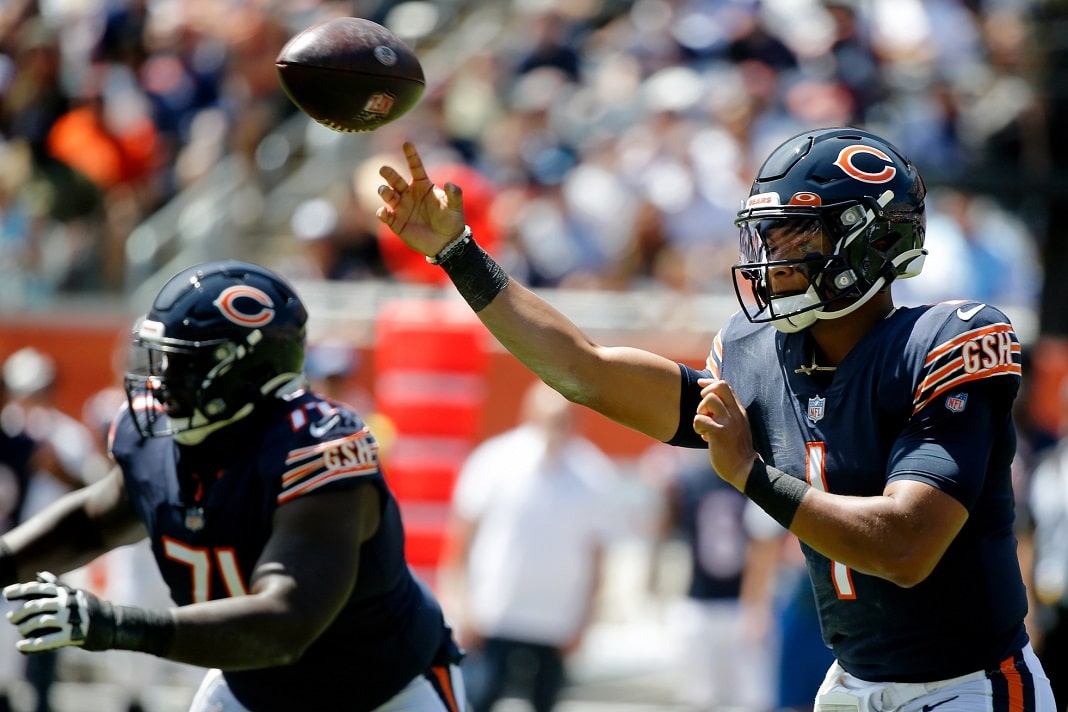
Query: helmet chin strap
794,303
195,429
797,322
876,286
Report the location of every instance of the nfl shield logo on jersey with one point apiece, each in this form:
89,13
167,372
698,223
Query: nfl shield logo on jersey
815,409
194,519
957,402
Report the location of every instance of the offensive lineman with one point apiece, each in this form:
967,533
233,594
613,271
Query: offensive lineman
880,436
269,518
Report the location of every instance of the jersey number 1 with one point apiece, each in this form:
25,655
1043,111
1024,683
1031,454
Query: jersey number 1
814,471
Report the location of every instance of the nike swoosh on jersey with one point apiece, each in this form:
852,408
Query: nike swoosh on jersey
966,314
323,427
928,708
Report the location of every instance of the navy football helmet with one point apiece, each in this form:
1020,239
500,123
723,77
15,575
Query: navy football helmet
849,208
220,338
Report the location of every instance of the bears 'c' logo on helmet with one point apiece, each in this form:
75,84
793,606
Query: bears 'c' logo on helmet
845,162
245,306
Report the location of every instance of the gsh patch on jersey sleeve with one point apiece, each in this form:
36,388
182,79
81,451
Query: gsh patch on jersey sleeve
986,351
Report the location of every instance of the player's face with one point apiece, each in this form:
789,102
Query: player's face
178,380
786,245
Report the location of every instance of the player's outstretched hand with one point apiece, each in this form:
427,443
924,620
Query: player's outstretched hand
54,615
426,217
723,423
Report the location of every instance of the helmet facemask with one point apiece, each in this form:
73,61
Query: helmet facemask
192,384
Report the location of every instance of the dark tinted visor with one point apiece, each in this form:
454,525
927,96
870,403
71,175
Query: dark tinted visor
778,239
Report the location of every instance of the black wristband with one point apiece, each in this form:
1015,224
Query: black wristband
130,628
478,278
776,492
9,573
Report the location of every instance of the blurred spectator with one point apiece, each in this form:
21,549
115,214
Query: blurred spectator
65,458
330,366
725,637
1048,500
34,96
533,510
672,101
777,582
549,44
978,251
107,134
16,451
338,243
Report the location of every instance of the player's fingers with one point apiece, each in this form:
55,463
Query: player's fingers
32,589
14,591
389,195
30,609
40,644
415,162
721,394
703,425
395,181
38,624
711,403
729,398
454,196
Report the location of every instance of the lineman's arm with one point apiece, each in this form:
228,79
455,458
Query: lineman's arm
302,580
72,531
636,388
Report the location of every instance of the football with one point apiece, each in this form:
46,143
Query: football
350,74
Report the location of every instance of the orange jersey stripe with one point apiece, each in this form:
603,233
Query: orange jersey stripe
445,688
324,478
1014,683
715,356
960,380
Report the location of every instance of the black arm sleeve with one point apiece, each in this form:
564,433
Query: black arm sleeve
689,399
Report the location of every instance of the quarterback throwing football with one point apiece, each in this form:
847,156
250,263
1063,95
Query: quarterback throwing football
880,436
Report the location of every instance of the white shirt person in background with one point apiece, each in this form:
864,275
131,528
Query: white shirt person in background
532,513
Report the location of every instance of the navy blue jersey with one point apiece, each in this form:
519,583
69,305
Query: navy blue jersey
209,516
926,395
16,450
711,518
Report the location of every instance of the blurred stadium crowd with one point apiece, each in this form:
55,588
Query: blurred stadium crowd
602,145
615,138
